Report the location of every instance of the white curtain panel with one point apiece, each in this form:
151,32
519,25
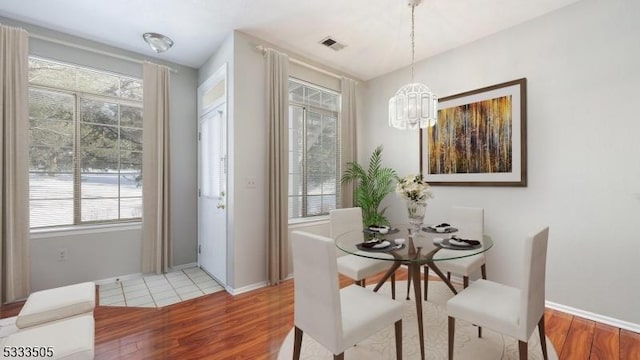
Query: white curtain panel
348,143
156,244
278,165
14,155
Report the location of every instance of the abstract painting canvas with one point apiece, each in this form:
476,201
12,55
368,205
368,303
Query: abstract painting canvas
479,139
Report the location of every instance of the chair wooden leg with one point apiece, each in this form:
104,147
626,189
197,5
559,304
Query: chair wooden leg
543,338
426,282
408,288
297,343
398,330
523,349
363,282
465,284
393,286
338,357
449,276
452,332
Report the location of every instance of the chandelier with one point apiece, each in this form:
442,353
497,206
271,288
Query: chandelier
414,106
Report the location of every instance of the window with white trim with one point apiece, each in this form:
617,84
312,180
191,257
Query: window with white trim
314,149
85,146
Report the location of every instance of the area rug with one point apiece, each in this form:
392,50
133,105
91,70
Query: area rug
492,346
8,327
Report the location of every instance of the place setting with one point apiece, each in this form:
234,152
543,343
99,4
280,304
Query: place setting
380,229
457,243
381,245
443,228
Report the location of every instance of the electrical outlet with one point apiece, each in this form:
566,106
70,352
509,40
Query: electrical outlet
63,254
250,182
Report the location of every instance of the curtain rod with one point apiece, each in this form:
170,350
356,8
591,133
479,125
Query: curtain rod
90,49
302,63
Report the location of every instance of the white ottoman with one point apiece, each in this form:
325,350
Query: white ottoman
58,303
71,338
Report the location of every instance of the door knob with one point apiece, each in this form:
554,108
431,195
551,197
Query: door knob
220,206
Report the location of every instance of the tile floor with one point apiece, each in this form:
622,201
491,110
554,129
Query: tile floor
158,290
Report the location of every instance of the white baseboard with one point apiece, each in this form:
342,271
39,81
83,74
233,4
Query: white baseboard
245,289
140,275
118,279
252,287
595,317
574,311
183,266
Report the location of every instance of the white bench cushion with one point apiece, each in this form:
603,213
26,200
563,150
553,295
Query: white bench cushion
58,303
71,338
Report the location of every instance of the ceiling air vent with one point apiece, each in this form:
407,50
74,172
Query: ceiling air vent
332,43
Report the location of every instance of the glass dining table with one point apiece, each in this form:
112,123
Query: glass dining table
413,249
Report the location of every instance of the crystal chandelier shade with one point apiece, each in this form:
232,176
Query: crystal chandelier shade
414,106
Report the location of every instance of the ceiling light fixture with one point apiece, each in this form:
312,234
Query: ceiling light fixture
158,42
414,106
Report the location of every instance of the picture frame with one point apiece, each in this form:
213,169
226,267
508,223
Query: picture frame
480,138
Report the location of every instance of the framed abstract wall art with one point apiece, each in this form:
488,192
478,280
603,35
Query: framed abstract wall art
480,138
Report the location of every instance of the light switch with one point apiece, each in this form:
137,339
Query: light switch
250,182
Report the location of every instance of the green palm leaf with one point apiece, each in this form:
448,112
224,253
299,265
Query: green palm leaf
372,185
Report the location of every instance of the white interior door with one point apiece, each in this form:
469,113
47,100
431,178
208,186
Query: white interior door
212,176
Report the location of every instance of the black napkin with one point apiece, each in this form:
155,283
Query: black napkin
370,244
470,242
443,225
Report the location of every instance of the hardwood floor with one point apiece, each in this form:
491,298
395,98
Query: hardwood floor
253,325
577,338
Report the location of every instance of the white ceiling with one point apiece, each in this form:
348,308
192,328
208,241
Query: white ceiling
376,32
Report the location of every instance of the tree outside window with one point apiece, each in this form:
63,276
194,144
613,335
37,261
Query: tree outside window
85,145
314,149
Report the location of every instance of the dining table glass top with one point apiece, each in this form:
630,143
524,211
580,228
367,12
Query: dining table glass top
407,246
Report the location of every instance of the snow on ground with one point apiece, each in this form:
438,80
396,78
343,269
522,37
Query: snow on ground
51,198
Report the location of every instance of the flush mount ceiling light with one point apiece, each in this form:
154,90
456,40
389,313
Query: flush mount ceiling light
414,106
158,42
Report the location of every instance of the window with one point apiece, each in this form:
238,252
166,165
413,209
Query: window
85,145
314,149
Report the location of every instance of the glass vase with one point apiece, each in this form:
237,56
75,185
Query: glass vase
416,211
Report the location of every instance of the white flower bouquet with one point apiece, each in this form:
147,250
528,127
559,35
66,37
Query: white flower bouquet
414,188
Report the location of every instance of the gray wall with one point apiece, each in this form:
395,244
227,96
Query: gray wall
184,146
581,64
107,253
250,160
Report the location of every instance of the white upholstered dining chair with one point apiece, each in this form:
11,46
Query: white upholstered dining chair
512,311
349,221
336,318
470,224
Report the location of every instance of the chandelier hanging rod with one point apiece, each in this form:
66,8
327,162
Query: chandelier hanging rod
414,105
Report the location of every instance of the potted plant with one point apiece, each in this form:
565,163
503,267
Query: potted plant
372,185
